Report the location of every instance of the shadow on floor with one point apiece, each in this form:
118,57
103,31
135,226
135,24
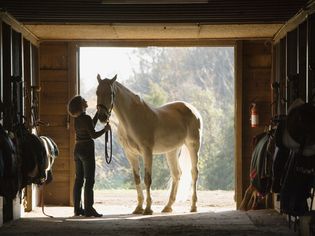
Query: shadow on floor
225,222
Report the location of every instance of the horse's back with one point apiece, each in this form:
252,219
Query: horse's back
183,114
181,110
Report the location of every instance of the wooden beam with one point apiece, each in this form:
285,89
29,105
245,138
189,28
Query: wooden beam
238,123
72,90
17,26
295,21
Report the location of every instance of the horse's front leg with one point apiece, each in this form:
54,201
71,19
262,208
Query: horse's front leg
148,180
134,162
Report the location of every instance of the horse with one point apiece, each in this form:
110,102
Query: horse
144,131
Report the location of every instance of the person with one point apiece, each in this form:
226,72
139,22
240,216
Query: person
84,156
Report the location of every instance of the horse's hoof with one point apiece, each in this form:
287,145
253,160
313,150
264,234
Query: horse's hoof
147,212
167,209
138,210
193,209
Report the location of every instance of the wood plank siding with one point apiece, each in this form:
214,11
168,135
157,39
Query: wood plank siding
256,71
55,82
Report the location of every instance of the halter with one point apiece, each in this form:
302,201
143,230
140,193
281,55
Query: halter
108,133
105,109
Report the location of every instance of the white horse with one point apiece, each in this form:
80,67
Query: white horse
144,131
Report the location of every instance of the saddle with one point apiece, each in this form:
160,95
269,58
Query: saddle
297,179
33,156
299,134
9,168
52,151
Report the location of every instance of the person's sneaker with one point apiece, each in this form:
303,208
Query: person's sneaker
79,212
92,212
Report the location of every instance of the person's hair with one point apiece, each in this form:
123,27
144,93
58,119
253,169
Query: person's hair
75,106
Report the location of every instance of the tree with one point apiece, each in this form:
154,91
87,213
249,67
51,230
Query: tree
203,77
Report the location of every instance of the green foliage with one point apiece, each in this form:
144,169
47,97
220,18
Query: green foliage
160,173
156,96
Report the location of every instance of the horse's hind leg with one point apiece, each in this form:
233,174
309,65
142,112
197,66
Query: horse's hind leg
193,148
134,162
172,161
147,157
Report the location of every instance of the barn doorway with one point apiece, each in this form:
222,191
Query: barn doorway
203,76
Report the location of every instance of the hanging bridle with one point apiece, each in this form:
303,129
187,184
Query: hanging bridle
108,133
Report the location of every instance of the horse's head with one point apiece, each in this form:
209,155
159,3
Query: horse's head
105,97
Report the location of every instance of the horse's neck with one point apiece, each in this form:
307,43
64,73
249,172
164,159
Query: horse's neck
125,102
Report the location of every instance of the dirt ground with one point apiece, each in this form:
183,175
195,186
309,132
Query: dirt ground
216,216
207,200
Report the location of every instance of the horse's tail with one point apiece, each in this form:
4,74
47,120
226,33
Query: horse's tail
185,160
184,186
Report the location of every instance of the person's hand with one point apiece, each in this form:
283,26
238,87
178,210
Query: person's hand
107,127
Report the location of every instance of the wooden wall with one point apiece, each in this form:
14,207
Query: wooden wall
57,69
295,62
253,79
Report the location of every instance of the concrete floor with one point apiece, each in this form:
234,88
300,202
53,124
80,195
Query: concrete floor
205,222
216,216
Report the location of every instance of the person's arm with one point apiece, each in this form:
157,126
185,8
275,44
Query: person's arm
90,128
95,118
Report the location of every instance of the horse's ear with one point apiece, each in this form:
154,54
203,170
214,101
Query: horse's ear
99,79
113,79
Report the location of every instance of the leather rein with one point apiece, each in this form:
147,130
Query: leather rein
108,133
108,152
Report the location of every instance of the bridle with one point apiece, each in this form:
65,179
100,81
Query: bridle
106,110
108,133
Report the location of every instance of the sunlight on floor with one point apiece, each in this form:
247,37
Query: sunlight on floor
115,212
118,204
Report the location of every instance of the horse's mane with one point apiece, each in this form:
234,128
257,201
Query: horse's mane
135,97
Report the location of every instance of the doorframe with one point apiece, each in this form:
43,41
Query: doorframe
238,89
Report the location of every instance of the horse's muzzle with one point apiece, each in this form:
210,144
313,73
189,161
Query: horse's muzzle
103,114
102,117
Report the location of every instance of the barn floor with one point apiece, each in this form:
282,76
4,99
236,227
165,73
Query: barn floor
211,219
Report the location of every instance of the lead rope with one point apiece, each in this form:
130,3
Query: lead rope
108,134
42,201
